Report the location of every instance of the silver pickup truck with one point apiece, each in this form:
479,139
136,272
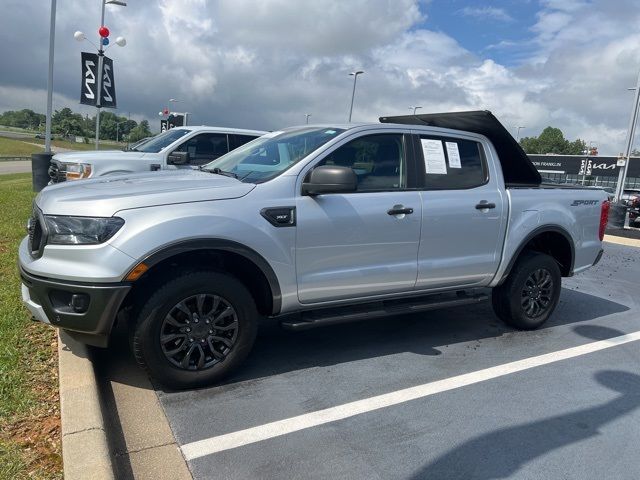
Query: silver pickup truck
181,147
313,225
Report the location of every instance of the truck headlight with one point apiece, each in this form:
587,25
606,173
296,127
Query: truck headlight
76,171
63,230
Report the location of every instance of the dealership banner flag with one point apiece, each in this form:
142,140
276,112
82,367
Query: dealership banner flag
89,89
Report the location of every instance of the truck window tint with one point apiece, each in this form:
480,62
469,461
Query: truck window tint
236,140
377,160
205,147
469,173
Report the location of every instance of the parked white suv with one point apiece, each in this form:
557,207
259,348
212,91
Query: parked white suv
182,147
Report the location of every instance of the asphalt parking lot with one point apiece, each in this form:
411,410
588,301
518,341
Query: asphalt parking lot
447,394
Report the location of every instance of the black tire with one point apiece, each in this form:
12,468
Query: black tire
215,347
530,293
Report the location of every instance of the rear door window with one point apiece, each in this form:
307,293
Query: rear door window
205,147
236,140
452,163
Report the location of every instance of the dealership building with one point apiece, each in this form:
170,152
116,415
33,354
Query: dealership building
586,170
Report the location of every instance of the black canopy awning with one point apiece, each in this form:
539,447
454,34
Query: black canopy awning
516,166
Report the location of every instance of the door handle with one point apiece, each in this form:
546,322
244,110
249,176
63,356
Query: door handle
485,205
400,210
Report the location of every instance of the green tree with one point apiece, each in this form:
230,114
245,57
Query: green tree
552,140
22,119
141,131
530,144
65,122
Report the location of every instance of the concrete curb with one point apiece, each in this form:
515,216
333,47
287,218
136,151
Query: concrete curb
139,434
85,449
631,242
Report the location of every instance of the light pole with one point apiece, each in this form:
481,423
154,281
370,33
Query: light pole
306,116
518,133
52,37
186,114
103,33
414,109
622,177
353,94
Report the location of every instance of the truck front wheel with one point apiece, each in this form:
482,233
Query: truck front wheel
195,329
530,293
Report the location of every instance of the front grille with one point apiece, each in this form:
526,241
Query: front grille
57,172
36,239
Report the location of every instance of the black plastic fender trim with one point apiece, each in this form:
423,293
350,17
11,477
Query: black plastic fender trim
184,246
534,233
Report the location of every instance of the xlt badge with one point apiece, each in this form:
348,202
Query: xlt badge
280,216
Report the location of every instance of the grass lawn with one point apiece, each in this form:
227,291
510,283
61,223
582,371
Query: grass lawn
104,144
24,148
18,148
29,406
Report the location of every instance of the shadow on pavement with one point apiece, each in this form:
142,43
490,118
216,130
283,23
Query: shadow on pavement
501,453
277,351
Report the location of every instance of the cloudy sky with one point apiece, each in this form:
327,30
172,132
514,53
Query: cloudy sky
265,63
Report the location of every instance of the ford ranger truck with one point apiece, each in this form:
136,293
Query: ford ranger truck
177,148
312,225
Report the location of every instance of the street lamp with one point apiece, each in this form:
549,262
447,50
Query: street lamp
103,41
518,133
414,109
117,129
353,94
307,115
52,36
622,177
186,114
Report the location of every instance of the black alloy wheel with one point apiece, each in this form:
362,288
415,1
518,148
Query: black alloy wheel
537,294
530,293
195,329
199,332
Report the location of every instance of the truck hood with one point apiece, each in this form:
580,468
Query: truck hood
104,196
97,156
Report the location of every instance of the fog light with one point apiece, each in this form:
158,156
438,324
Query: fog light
79,302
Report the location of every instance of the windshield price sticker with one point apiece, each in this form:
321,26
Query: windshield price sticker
434,160
454,155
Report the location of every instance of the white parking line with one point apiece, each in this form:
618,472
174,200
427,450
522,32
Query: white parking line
240,438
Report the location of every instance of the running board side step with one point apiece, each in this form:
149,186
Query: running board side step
332,316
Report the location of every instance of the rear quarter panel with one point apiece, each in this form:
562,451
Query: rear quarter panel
576,211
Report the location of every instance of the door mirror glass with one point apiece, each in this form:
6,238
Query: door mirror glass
178,158
330,179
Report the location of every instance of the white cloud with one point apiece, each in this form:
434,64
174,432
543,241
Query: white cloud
265,64
487,12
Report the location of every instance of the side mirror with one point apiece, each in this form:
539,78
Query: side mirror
178,158
330,179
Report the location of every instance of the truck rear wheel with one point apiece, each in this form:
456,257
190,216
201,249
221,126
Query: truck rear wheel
530,293
195,329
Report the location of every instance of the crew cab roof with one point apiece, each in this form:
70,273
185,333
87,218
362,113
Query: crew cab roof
209,128
517,169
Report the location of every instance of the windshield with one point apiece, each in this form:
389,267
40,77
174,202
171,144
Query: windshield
268,156
157,143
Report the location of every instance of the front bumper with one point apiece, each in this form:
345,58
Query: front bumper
86,311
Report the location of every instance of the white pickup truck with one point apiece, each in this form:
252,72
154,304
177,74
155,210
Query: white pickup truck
182,147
